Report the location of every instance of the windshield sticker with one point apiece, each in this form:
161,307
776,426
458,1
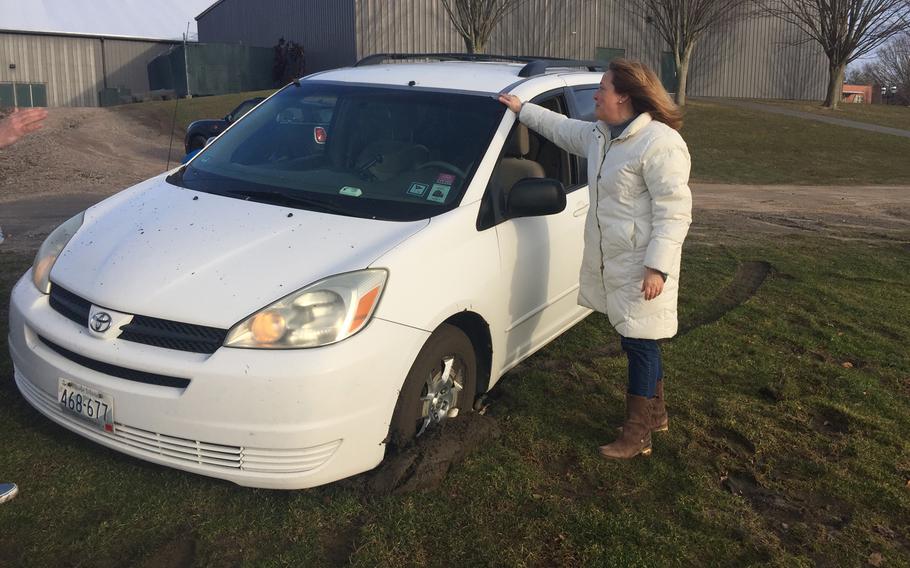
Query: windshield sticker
438,193
352,191
447,179
417,189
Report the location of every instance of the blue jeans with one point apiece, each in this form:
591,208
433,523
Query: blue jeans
645,367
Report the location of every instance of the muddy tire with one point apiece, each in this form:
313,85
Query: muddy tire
196,143
442,378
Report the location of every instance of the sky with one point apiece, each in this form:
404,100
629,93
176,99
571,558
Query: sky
161,19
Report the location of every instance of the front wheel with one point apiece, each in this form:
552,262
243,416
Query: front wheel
440,385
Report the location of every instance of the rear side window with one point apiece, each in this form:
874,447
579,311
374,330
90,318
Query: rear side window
584,107
584,100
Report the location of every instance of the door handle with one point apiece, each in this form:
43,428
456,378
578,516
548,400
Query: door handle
580,210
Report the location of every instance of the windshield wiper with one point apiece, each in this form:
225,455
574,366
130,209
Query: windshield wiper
275,197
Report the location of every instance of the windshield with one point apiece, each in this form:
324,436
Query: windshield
386,153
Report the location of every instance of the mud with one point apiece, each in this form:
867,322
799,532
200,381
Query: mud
424,463
795,520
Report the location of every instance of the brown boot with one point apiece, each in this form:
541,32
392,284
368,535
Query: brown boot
659,420
636,432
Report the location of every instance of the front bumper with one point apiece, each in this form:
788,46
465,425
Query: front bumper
274,419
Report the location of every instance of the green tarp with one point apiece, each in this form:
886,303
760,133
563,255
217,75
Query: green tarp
211,69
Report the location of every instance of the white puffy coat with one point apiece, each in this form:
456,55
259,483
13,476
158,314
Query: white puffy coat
640,212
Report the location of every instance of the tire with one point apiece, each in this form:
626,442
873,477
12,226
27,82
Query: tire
413,414
196,142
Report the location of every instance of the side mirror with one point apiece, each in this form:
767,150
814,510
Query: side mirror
531,197
228,118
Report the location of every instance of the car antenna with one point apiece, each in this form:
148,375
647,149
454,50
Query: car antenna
173,125
170,144
296,82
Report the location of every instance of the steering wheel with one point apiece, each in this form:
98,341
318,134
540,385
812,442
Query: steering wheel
444,165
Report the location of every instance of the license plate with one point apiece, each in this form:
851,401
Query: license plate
86,403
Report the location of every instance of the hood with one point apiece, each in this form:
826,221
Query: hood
167,252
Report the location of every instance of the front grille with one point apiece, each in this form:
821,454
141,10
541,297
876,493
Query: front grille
144,329
115,371
173,335
70,305
177,451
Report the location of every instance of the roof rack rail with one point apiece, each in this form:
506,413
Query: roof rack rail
533,65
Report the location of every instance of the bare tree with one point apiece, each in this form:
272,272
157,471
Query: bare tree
892,69
846,29
862,75
682,23
475,19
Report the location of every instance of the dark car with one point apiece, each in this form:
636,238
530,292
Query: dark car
198,132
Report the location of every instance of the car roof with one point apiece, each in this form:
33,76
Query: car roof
482,77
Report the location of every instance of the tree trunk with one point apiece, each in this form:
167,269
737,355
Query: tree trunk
835,84
682,74
474,45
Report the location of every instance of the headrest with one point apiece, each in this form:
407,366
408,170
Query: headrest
519,142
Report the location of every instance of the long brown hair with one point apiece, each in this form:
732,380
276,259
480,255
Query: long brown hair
637,80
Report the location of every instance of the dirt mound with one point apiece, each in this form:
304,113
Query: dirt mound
83,150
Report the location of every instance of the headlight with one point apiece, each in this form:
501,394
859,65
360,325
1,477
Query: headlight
50,250
322,313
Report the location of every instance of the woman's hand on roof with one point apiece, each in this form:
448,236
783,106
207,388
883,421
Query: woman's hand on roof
511,101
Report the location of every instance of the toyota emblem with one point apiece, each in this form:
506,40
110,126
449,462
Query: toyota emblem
100,322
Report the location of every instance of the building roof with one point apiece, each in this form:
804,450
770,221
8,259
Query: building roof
91,36
209,9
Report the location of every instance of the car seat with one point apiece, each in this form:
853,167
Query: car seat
514,166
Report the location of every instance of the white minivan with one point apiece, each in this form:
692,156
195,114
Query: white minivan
353,262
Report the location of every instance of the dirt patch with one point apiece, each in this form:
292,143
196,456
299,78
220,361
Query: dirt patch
740,445
340,544
179,553
425,463
796,521
830,421
725,214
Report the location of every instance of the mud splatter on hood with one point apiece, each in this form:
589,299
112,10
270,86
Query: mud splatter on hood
177,254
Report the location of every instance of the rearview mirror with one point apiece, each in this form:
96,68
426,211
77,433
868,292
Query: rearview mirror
532,197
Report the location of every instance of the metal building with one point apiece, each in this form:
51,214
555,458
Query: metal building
753,57
65,69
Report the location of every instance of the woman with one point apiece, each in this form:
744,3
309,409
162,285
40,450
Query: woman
641,208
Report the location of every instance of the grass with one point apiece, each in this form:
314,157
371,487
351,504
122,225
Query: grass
734,145
778,454
894,116
161,113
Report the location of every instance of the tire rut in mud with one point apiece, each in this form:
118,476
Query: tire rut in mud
749,277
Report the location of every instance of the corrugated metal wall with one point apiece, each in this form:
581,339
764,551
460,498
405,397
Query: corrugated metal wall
755,58
751,58
324,28
71,67
748,59
126,62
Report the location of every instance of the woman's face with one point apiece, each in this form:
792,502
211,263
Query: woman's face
610,106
